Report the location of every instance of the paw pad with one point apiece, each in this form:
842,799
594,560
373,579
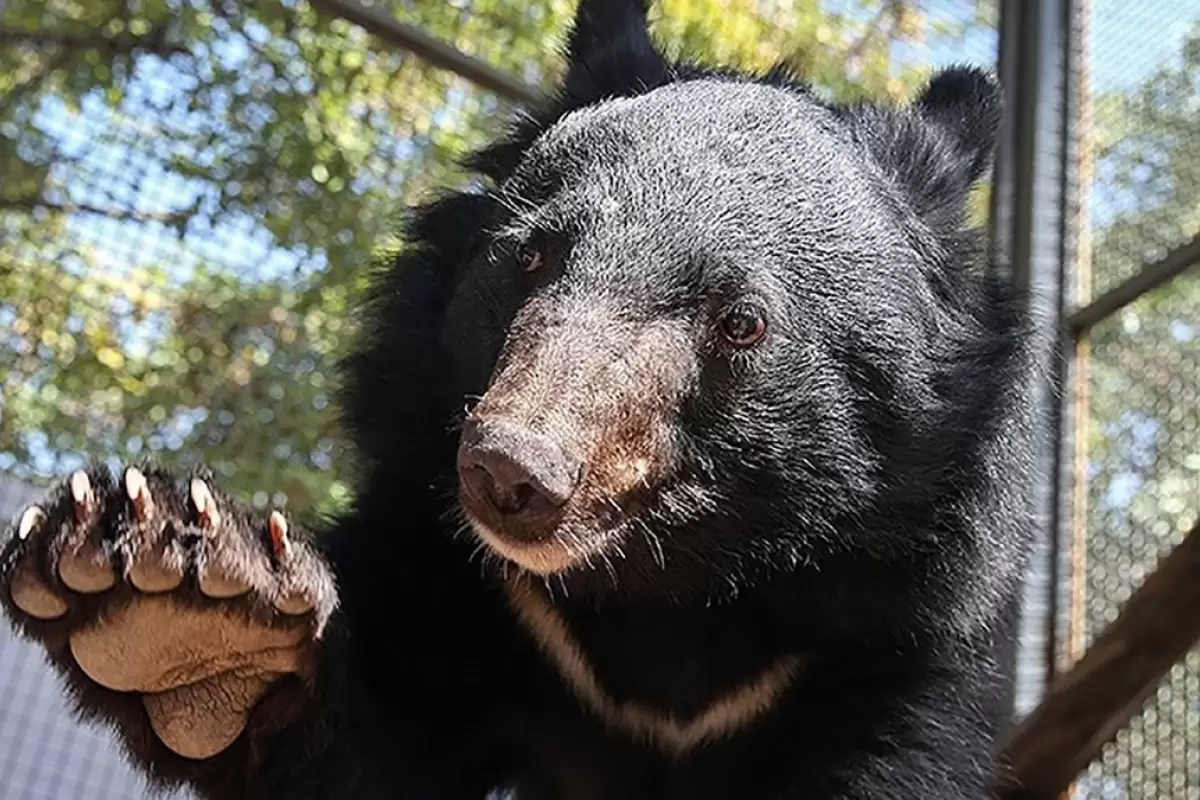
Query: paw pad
87,569
28,592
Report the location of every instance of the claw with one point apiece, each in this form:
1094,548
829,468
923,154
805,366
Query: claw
205,503
81,493
294,603
139,493
279,528
29,520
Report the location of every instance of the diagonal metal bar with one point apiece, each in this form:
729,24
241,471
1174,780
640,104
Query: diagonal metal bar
380,23
1150,278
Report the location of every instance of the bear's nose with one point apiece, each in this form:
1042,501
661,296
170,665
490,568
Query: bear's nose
514,469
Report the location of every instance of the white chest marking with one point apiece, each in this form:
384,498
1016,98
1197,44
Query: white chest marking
726,715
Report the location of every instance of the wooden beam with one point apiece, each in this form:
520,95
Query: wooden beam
1086,707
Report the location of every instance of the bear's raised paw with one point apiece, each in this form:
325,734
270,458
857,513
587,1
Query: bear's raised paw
163,590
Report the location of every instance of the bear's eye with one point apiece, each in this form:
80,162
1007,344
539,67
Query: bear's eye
531,257
743,326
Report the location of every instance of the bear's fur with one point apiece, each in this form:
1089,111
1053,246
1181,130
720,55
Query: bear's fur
744,333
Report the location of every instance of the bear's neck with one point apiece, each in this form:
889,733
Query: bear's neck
677,676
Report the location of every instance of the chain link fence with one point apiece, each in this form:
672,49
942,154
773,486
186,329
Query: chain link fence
191,194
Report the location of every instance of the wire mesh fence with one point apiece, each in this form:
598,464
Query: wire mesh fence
1139,430
1143,493
191,194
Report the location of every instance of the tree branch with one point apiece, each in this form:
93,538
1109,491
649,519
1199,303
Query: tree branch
893,9
30,204
154,41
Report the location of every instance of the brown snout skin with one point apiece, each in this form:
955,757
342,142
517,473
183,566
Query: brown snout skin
574,430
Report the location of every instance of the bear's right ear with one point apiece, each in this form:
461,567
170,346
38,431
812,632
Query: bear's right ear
610,53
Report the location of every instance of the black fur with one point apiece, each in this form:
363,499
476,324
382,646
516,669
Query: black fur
852,490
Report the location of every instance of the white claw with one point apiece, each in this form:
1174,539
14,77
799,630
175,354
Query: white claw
29,520
139,492
81,486
205,503
81,493
279,528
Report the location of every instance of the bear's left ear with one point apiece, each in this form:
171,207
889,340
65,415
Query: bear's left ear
965,105
610,53
937,148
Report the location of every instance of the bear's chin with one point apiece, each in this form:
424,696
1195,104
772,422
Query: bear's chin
564,549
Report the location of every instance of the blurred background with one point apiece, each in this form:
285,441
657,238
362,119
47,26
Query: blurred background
192,192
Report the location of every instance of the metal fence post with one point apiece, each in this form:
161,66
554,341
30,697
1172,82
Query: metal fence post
1034,197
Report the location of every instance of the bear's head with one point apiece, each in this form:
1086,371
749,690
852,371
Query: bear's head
715,332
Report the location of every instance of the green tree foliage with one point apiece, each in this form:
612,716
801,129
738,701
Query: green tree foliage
191,191
1143,371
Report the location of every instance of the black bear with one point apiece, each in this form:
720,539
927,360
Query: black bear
694,463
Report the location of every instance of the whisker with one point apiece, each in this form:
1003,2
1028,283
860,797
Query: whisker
609,568
655,544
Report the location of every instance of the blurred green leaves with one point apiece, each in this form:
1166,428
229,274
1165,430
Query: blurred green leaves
1145,365
191,192
1143,413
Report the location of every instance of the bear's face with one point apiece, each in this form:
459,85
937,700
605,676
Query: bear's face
686,336
704,329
